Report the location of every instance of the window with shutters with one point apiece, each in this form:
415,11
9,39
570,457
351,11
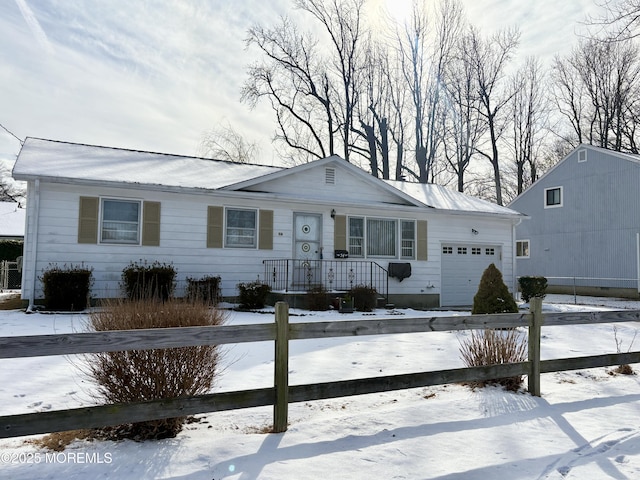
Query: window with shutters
356,237
241,228
120,221
407,239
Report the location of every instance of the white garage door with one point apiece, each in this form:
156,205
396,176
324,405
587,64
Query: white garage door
462,267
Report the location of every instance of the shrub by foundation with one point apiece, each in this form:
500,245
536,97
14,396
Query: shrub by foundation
253,294
317,299
206,289
138,375
364,298
66,288
142,280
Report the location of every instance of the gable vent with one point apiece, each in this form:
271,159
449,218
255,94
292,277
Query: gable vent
330,176
582,156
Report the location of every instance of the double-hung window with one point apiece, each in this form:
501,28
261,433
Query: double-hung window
120,222
522,249
241,228
408,239
356,237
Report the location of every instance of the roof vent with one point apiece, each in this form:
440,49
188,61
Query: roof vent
330,176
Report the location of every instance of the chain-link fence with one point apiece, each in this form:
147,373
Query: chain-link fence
10,275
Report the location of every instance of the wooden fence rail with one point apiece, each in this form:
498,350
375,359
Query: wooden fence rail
281,333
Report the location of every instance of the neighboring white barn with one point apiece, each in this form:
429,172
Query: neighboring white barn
325,222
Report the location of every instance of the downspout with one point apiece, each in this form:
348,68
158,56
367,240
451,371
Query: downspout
34,245
513,257
638,260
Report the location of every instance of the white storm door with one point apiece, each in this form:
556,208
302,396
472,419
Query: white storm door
307,234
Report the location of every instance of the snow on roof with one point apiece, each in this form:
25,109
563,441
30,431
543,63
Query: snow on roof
55,160
41,158
443,198
12,219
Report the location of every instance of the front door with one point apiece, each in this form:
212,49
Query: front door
307,234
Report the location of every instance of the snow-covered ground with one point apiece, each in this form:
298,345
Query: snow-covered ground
586,425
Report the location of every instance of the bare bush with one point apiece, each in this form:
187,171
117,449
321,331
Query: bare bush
624,369
495,347
138,375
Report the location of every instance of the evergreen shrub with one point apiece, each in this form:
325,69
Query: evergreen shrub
493,296
531,287
66,288
253,294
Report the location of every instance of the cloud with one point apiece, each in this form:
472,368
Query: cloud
156,75
132,74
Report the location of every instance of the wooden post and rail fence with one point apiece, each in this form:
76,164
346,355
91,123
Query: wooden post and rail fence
281,332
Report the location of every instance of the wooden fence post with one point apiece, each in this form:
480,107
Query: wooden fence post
281,378
535,327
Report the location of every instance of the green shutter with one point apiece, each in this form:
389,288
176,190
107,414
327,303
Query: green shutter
88,220
421,227
215,223
151,224
265,238
340,232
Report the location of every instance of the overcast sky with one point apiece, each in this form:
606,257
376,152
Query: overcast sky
155,75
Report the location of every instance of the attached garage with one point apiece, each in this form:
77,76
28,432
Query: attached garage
462,267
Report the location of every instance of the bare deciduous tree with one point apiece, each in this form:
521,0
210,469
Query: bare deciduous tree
292,78
226,143
10,190
529,121
342,21
619,21
596,89
424,58
489,58
464,126
311,85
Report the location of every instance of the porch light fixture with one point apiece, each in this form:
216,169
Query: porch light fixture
333,213
474,231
